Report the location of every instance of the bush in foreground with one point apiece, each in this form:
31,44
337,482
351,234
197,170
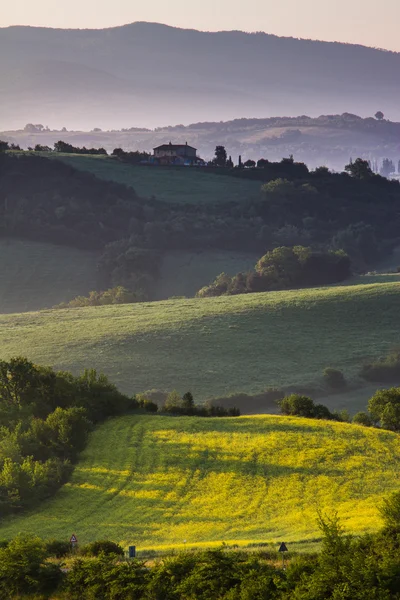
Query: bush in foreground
346,568
99,547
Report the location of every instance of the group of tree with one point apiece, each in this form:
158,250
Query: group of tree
184,405
386,369
66,148
133,158
5,146
345,568
298,405
383,410
284,268
117,295
367,169
45,417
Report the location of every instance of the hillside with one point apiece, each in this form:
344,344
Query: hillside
166,481
199,76
35,275
187,186
217,346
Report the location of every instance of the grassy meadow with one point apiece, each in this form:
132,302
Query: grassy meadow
176,184
161,482
217,346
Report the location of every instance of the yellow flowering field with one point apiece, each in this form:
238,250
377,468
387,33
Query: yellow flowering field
162,482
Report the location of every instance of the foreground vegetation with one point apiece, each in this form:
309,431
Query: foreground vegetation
346,569
45,419
218,346
163,482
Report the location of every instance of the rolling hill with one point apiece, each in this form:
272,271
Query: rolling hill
161,482
218,346
188,186
73,77
325,140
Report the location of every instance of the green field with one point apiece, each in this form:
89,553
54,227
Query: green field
157,481
170,184
35,276
216,346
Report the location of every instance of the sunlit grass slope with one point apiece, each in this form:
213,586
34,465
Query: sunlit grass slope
179,184
215,346
35,275
158,481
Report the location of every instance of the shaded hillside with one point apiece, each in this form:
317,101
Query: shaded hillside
217,346
190,211
192,75
169,481
35,275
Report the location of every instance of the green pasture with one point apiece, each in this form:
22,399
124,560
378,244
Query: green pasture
170,184
217,346
163,482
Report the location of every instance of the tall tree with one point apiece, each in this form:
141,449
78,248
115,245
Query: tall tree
220,156
359,169
387,167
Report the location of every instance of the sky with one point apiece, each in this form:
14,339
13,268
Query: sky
369,22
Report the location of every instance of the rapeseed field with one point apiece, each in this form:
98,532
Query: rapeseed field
164,482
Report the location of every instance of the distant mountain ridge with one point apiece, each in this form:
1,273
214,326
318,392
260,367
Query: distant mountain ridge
147,74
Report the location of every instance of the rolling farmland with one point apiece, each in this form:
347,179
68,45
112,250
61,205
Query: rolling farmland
157,481
217,346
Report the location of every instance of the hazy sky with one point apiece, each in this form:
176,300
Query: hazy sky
369,22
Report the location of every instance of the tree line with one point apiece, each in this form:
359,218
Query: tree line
284,268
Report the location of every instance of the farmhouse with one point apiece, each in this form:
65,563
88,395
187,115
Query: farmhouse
176,154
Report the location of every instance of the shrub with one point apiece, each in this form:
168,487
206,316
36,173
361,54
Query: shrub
334,378
102,547
322,412
390,512
149,406
116,295
387,369
362,418
384,406
58,548
296,405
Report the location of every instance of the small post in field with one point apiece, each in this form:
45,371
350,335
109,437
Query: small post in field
283,549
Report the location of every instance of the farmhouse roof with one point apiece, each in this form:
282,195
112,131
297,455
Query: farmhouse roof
173,147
